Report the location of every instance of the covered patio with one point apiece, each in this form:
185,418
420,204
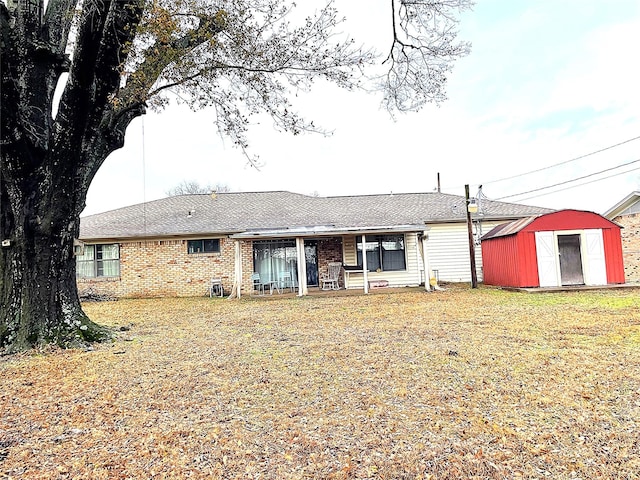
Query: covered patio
296,259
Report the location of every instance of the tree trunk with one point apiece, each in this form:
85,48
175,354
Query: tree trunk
47,164
39,301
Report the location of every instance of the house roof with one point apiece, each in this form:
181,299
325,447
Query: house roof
629,204
242,212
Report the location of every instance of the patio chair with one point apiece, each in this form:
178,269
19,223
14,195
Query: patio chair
286,281
215,288
258,286
330,280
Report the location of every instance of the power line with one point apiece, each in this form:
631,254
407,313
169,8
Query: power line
579,185
570,181
562,163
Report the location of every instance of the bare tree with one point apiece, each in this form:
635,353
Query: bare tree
422,52
112,61
191,186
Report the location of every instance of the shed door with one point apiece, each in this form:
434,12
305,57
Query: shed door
596,265
570,259
547,259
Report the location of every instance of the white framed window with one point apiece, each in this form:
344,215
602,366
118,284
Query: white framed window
384,252
100,260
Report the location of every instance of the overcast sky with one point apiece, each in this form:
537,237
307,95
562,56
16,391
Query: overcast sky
547,81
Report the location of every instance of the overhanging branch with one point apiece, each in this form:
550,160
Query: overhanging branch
160,55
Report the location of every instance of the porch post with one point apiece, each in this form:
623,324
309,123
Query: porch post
238,267
302,267
365,270
425,262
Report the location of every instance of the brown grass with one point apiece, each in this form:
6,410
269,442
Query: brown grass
457,384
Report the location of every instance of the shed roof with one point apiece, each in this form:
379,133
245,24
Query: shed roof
509,228
238,212
569,219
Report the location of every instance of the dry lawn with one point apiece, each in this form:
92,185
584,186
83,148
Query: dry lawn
405,385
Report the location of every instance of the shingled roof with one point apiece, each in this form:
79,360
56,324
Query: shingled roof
237,212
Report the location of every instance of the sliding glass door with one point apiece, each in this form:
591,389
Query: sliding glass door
276,261
272,259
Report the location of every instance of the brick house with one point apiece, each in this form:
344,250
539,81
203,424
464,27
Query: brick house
626,213
176,245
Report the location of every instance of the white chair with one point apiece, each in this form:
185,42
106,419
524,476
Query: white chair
331,280
258,286
215,288
286,281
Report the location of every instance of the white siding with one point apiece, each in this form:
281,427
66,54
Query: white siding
448,251
635,208
349,250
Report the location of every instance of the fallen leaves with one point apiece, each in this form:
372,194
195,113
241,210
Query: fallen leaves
458,384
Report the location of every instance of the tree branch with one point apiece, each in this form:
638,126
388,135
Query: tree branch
105,31
422,52
162,54
58,20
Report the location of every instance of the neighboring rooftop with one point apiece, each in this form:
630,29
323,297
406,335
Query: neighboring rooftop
628,205
236,212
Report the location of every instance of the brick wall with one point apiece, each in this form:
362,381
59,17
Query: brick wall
329,250
158,268
630,245
163,268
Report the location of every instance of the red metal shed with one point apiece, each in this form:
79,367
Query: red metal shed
567,247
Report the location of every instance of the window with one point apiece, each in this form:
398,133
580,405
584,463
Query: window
384,252
99,261
209,245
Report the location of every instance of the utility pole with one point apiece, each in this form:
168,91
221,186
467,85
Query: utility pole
472,250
